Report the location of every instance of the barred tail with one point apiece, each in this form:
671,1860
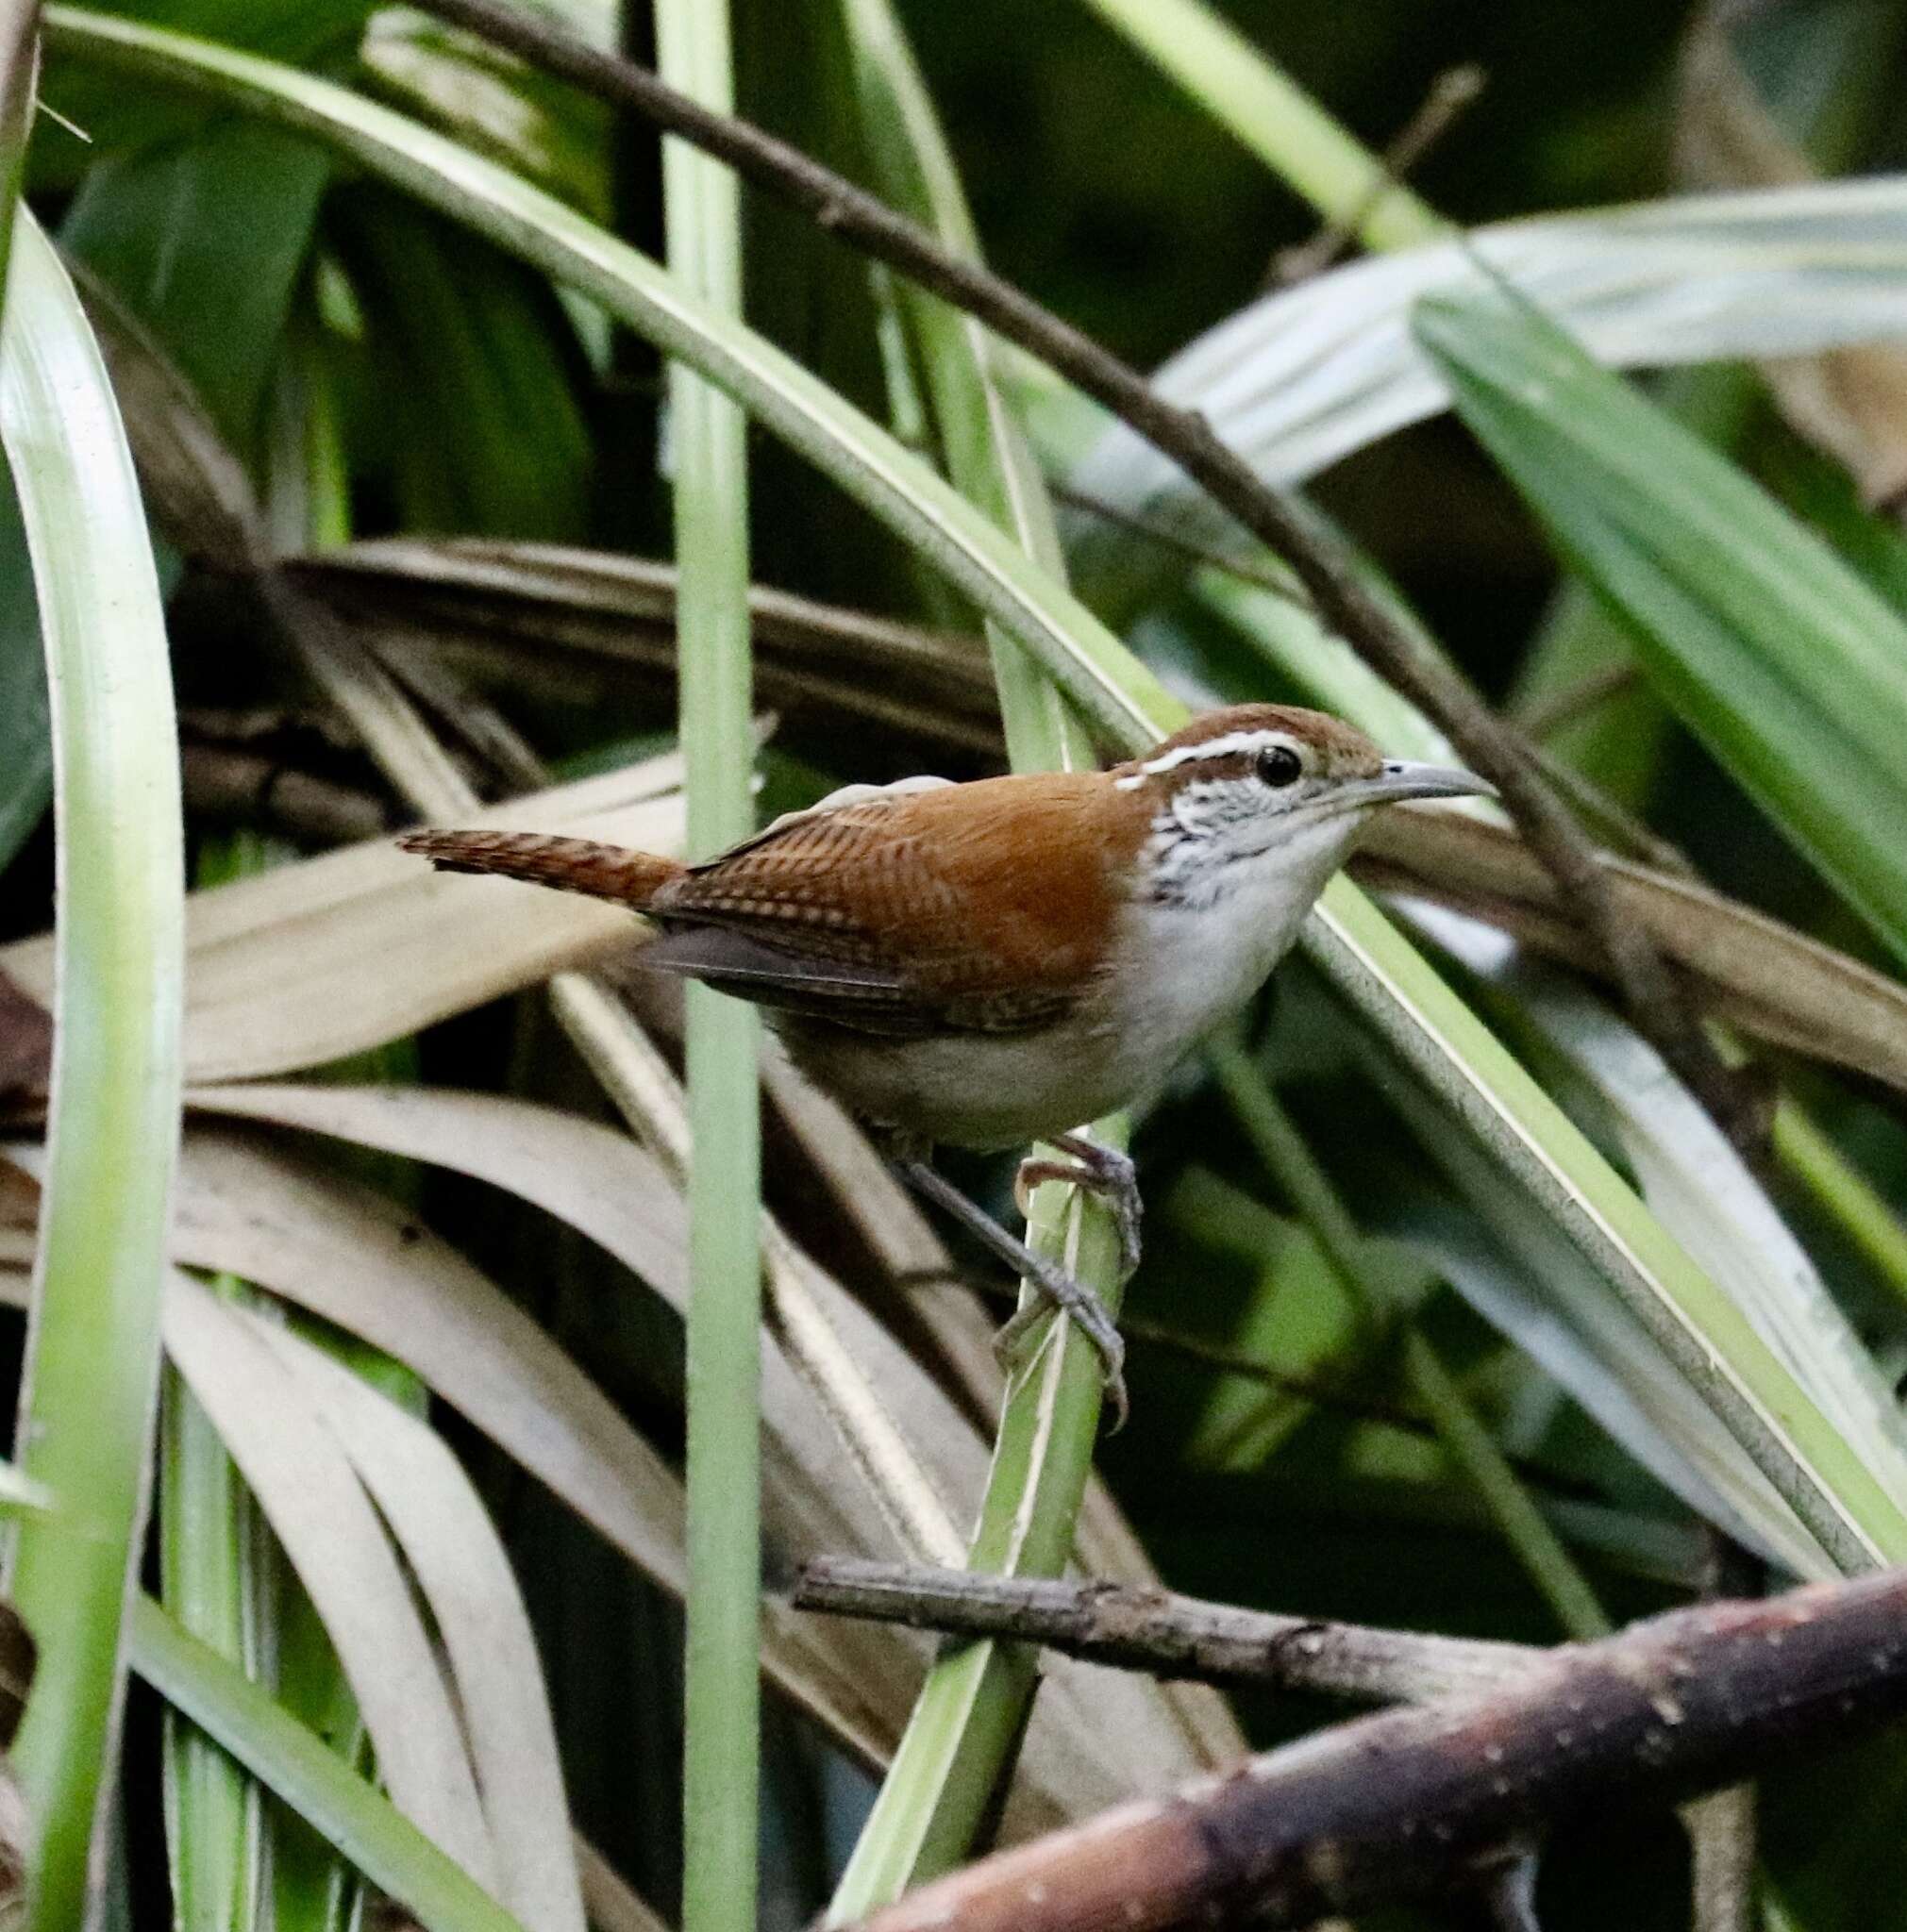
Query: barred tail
571,865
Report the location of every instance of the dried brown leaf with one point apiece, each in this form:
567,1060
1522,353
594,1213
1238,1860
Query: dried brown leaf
1765,978
574,622
331,1533
1095,1731
249,1207
452,1549
309,962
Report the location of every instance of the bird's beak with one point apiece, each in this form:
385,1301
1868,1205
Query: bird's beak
1400,779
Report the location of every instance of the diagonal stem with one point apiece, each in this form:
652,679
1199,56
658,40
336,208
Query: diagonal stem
1658,1004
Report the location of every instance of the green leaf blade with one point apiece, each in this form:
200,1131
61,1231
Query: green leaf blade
300,1769
721,1764
92,1371
1789,667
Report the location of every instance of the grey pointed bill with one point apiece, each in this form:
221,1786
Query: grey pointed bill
1400,779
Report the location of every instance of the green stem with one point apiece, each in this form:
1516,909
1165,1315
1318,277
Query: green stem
1844,1193
212,1816
1468,1444
721,1769
92,1377
1242,89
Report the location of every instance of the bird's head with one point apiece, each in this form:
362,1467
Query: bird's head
1260,793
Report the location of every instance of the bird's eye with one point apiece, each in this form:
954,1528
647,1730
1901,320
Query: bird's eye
1279,766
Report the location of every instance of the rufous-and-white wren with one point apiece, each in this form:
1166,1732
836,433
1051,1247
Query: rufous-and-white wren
992,964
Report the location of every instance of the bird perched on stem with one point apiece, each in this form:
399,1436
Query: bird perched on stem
992,964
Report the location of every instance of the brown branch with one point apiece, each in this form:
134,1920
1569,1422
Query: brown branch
1133,1627
1657,1003
1437,1797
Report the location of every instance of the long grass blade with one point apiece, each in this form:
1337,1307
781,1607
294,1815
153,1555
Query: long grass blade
1764,642
213,1827
302,1770
721,1766
88,1397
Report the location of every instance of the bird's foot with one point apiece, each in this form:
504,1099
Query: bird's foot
1057,1290
1054,1286
1107,1172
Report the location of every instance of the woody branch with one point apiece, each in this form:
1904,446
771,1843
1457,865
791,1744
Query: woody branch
1445,1796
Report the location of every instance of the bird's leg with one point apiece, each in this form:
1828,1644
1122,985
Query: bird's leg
1100,1170
1053,1284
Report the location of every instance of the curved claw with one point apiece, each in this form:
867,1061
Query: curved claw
1074,1302
1099,1170
1054,1286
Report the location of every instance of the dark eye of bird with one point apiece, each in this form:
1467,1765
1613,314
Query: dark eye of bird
1279,766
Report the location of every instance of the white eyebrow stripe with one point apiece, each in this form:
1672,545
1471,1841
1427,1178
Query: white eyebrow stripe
1229,746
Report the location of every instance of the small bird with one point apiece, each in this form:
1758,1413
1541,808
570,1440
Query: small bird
989,964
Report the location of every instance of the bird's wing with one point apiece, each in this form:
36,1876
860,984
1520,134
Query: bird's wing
905,912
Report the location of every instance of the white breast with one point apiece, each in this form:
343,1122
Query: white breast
1188,968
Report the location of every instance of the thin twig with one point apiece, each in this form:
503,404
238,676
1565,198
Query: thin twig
1207,556
1657,1003
1543,717
1323,1391
1135,1628
1449,95
1419,1800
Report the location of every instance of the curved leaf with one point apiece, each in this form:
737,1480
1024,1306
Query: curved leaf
92,1345
314,1499
1302,377
1790,668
